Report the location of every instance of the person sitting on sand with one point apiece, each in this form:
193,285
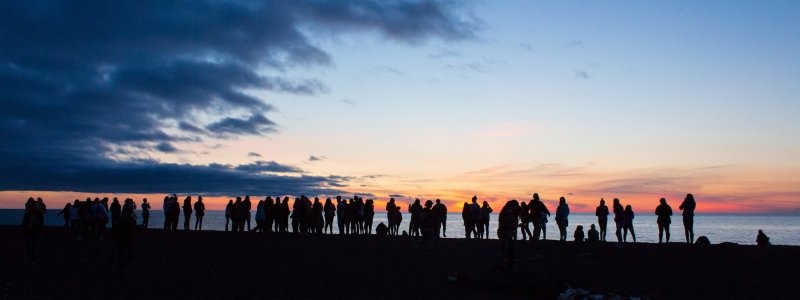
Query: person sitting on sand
594,236
664,213
382,229
579,237
506,225
628,224
762,239
688,207
562,218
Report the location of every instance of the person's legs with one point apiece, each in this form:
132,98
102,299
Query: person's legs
660,233
666,229
618,231
603,226
444,228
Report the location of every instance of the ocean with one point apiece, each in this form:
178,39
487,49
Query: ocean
741,229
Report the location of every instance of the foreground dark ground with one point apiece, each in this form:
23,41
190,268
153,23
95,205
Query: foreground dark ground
182,265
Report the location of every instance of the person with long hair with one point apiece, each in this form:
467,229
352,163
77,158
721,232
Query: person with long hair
688,207
619,219
187,212
562,218
506,227
629,224
199,213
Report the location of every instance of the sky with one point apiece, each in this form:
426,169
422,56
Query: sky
406,99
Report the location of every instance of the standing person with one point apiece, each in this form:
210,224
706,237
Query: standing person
261,217
525,219
465,216
145,213
369,215
174,213
122,235
199,213
443,219
538,208
440,213
602,218
486,212
426,223
619,218
269,210
688,207
475,213
664,213
32,224
330,212
228,213
562,218
506,226
629,223
165,209
74,216
187,212
415,209
341,210
66,211
116,209
318,218
246,206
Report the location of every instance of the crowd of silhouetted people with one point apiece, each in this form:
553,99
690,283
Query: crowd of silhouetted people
90,219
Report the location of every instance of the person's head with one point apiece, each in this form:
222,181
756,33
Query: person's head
416,201
663,201
591,227
602,201
145,200
535,196
76,202
438,201
247,198
199,198
760,232
690,197
391,200
238,199
474,199
580,227
562,200
628,208
485,204
316,199
230,201
428,204
115,200
616,201
523,205
338,198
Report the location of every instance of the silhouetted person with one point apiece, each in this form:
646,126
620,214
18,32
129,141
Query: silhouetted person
688,207
369,215
395,218
602,218
525,219
629,224
427,222
440,213
145,213
116,209
506,226
415,210
261,217
246,207
578,235
539,212
199,213
298,212
187,212
32,224
562,218
66,213
228,213
122,235
762,239
381,229
74,217
593,235
285,215
468,227
486,213
174,214
619,219
475,212
318,221
664,213
330,212
269,211
341,210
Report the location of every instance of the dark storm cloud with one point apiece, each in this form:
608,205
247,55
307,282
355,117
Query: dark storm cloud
267,166
82,80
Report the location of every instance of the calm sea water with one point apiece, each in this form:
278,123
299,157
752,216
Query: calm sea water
742,229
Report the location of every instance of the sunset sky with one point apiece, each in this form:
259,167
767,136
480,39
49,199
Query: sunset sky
584,99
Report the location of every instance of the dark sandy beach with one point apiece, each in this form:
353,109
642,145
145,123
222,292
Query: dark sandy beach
220,265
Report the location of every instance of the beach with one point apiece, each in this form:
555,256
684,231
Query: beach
225,265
